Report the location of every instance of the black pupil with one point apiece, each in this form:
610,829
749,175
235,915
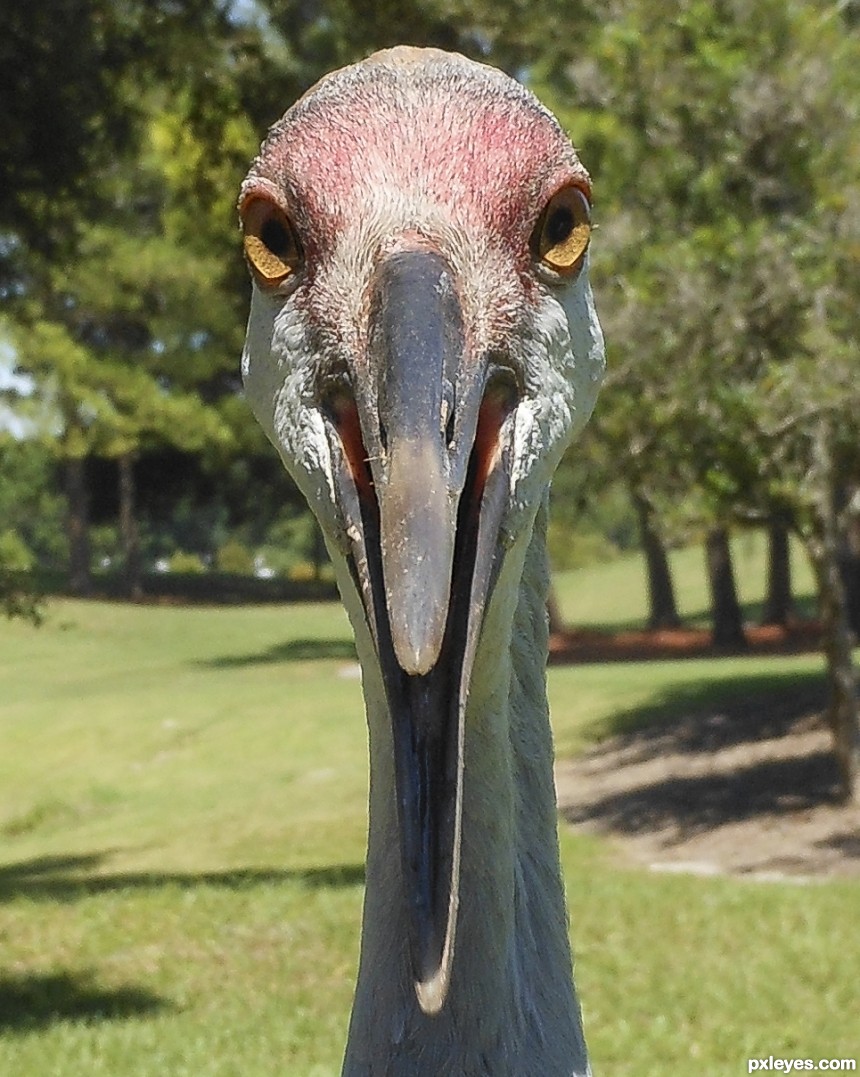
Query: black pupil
275,236
559,225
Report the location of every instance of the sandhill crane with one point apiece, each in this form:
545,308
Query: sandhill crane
422,345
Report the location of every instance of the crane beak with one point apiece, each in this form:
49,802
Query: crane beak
422,485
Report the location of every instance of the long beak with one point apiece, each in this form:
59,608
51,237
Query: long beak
422,486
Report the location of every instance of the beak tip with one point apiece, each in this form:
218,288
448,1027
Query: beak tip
417,631
432,993
417,656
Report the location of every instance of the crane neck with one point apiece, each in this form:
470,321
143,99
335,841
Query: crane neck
512,1008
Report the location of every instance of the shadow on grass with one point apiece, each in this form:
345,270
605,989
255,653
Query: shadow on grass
698,803
805,609
696,758
847,843
295,650
67,878
35,1001
715,712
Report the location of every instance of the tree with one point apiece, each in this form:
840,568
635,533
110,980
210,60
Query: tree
125,306
726,618
30,526
778,601
52,139
729,138
113,353
662,606
850,558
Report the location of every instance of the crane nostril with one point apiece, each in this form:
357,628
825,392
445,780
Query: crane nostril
383,436
504,383
335,393
448,412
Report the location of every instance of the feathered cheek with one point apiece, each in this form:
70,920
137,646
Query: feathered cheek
531,467
550,392
289,341
298,433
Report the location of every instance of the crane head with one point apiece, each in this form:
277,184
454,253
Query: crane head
422,345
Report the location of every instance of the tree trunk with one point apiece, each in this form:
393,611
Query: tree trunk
727,627
128,530
843,708
662,608
778,602
553,610
842,705
78,526
850,560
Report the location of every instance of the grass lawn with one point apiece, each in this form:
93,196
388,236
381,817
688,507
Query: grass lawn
182,820
614,593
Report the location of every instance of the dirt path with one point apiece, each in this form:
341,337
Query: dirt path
742,789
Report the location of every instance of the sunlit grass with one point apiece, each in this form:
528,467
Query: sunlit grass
591,702
123,706
613,593
687,975
182,825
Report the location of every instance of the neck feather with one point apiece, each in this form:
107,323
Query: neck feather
511,1008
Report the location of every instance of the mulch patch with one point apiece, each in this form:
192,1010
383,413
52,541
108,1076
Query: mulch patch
581,645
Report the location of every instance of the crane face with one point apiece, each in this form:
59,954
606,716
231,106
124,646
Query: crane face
421,347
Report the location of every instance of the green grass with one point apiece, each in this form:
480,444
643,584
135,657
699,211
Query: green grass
182,824
592,702
614,593
182,820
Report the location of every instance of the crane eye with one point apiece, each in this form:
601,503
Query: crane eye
561,236
270,242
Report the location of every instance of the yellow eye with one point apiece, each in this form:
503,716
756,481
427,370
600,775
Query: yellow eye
562,233
271,246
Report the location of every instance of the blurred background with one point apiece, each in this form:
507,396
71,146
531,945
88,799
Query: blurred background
724,143
722,463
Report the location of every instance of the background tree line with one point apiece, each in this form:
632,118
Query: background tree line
724,140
